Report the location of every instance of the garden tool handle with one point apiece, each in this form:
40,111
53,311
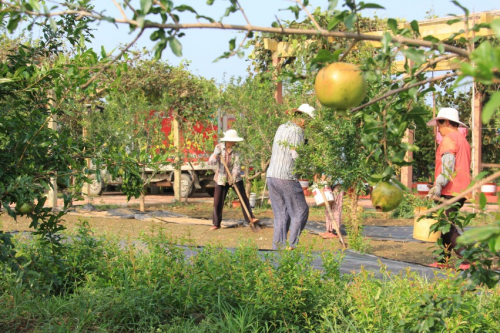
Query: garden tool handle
236,189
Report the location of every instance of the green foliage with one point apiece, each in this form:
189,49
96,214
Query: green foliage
406,208
97,282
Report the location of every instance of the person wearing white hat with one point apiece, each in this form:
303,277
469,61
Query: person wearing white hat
289,204
223,181
452,175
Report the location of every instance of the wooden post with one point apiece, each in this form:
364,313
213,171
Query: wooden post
52,198
278,94
177,145
477,128
407,171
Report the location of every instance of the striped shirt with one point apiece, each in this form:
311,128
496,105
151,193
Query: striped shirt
232,161
288,136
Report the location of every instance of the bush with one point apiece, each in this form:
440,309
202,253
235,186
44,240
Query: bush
406,208
156,285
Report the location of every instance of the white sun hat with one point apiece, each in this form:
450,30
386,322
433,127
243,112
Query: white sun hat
231,136
305,108
449,114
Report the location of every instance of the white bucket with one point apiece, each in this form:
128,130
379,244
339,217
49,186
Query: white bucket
318,197
423,188
304,183
252,200
489,189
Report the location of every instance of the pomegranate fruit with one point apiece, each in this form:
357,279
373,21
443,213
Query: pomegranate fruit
24,208
386,196
340,86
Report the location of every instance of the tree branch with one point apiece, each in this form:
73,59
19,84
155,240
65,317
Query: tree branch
395,91
220,26
309,14
93,78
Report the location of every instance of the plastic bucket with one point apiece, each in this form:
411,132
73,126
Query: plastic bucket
422,228
318,197
423,188
489,189
304,183
252,200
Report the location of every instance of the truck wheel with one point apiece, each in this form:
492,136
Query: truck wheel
187,188
95,187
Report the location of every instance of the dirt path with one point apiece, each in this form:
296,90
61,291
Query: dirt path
192,234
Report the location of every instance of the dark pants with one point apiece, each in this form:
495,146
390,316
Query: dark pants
220,194
450,238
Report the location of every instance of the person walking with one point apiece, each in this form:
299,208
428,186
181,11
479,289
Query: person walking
225,150
287,198
452,174
335,207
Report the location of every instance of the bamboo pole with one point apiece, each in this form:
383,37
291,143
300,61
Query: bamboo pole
254,226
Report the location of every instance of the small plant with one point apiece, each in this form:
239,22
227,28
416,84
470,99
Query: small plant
406,208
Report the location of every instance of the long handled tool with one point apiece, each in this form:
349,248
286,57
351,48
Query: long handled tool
335,225
254,226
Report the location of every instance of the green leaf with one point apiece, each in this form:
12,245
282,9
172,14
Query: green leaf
414,27
184,8
370,5
334,22
53,24
482,201
232,44
210,2
495,26
35,5
176,46
332,4
324,56
393,25
497,244
477,234
456,3
350,20
431,39
490,107
146,5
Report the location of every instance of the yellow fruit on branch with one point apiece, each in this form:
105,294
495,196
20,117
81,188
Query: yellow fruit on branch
386,196
340,86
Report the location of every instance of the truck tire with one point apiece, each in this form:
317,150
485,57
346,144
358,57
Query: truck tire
187,188
95,187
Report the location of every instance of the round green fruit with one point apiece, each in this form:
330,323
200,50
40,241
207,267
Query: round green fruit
25,208
386,196
340,86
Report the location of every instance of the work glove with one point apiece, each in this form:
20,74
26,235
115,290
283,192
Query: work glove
435,192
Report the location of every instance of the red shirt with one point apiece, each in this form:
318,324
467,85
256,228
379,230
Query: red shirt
456,144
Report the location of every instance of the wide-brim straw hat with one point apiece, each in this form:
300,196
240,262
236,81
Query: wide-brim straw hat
231,136
449,114
305,108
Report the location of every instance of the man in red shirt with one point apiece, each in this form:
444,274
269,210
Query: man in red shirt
452,175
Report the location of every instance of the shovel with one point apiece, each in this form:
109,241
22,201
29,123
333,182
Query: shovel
335,225
254,226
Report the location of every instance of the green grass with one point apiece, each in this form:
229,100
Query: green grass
98,284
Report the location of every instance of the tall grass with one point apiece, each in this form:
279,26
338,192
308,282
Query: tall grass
106,285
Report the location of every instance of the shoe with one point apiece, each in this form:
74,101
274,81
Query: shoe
214,227
328,235
464,266
440,265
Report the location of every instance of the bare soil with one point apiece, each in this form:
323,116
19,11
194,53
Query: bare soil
231,237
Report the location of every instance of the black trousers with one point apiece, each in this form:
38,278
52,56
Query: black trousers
220,194
450,238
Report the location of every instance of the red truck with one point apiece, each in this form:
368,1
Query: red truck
196,174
